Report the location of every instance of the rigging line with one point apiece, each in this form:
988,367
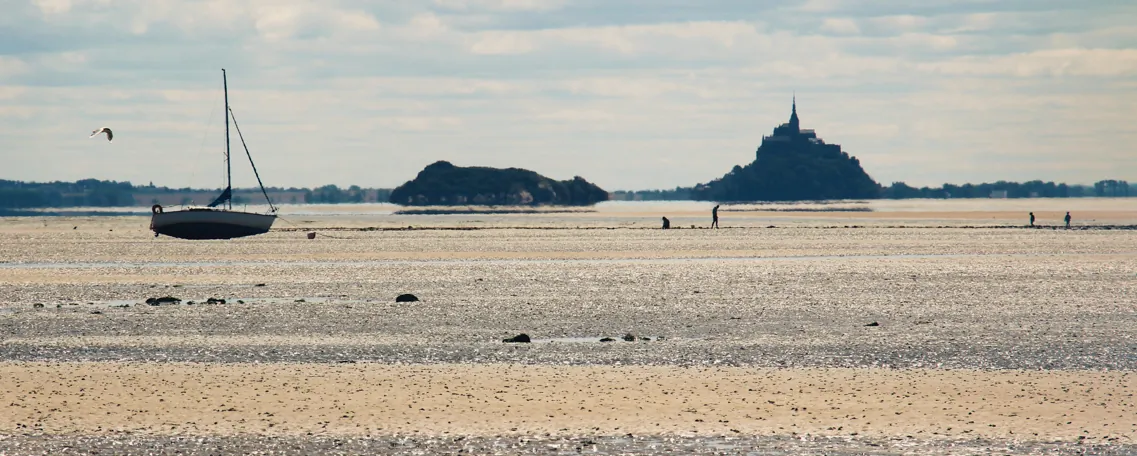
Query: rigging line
255,173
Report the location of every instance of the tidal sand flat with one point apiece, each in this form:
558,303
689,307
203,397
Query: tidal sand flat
899,336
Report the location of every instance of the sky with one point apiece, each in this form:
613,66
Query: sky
631,94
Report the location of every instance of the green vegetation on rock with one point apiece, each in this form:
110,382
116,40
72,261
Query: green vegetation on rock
442,183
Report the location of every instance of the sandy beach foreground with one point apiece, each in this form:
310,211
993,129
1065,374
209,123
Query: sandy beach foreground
907,330
488,400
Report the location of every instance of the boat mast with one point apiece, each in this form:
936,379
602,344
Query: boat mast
228,165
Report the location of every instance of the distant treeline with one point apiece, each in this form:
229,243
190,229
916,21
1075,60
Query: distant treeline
86,192
678,194
900,190
99,193
1003,189
331,194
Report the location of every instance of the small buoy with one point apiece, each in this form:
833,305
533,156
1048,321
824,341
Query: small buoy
312,235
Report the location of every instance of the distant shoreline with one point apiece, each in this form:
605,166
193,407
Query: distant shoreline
770,227
476,211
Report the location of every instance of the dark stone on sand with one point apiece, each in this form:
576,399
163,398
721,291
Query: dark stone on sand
259,285
38,305
629,337
873,324
215,301
607,339
162,300
518,339
406,298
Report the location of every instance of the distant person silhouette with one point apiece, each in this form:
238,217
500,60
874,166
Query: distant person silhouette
715,217
666,224
1032,219
1067,219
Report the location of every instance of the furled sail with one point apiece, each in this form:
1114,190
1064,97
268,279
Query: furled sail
225,196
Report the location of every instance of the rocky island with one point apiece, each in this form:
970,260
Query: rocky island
443,184
793,164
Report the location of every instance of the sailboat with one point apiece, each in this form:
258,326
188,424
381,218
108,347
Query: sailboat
217,220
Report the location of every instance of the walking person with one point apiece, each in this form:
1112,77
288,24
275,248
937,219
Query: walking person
1032,219
715,217
666,224
1067,219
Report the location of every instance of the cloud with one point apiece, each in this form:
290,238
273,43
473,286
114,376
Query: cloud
574,115
631,39
635,94
1045,63
502,42
840,26
900,23
49,7
499,5
13,66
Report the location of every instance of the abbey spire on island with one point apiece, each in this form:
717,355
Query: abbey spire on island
792,129
793,164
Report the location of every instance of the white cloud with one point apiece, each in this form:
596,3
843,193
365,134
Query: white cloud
418,123
576,115
620,39
820,6
277,22
900,23
49,7
636,87
424,26
12,66
1045,63
840,25
937,42
500,5
502,42
625,96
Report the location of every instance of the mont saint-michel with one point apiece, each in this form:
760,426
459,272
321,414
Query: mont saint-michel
793,164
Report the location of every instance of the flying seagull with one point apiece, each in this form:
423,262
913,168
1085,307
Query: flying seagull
106,130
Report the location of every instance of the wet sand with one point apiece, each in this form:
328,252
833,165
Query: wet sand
489,399
985,339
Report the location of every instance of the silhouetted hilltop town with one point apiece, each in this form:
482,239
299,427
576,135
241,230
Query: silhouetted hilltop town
442,183
793,164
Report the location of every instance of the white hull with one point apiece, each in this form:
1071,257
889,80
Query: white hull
210,223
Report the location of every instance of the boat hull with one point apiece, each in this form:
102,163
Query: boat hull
201,224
